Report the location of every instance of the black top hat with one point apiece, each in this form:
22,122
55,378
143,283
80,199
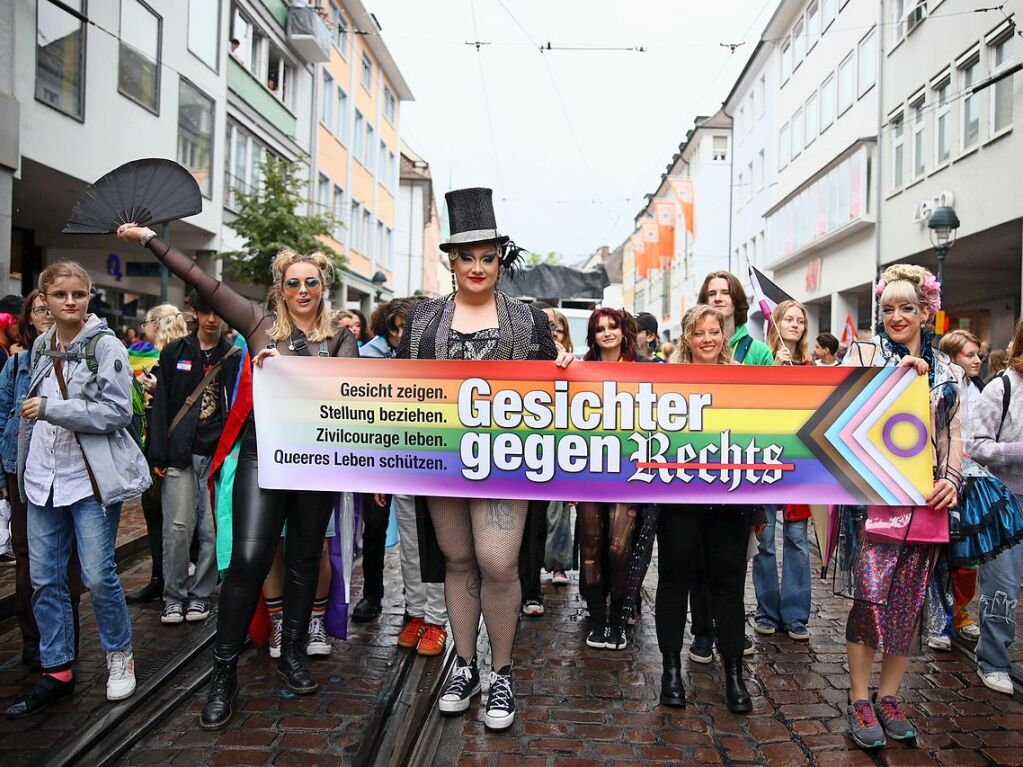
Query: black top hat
471,218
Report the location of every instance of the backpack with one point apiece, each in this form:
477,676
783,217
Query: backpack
137,426
742,349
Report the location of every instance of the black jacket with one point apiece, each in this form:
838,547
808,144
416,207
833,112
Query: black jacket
173,385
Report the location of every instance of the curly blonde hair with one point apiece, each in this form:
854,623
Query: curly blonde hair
683,353
283,326
170,324
912,283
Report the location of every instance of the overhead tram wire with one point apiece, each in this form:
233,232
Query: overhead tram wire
486,94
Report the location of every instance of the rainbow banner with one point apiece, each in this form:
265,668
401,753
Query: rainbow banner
596,431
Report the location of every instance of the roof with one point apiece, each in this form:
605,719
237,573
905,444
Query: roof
366,27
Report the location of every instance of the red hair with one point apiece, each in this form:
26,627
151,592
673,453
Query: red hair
619,318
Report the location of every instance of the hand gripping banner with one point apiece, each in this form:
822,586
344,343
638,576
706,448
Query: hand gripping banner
596,431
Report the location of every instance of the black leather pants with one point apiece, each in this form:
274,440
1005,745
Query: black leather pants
258,519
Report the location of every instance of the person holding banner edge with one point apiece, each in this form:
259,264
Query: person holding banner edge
300,327
479,538
889,562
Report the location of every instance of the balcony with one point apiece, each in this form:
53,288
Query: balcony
308,35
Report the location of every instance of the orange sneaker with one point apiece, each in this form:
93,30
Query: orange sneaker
409,636
433,641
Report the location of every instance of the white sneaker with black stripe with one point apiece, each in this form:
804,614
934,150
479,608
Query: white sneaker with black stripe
500,711
463,684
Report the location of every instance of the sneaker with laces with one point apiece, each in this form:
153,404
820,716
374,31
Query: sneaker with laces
433,640
533,608
942,643
173,612
121,674
597,638
892,718
863,725
702,648
276,635
799,633
614,638
198,610
463,684
999,681
764,628
971,632
500,711
560,578
410,635
318,644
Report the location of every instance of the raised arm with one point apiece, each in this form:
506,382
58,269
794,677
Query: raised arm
241,313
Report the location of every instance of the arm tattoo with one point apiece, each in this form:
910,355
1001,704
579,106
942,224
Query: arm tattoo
500,515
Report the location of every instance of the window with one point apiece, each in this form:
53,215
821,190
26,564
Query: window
919,137
390,105
355,241
278,75
243,158
369,156
378,246
784,146
367,234
827,103
899,19
367,72
740,190
720,148
786,60
813,24
60,58
338,212
389,247
828,13
1001,57
898,148
204,31
797,132
740,118
242,31
867,74
392,167
846,84
762,100
359,136
798,45
341,130
970,129
752,109
327,100
758,168
195,134
383,171
749,181
322,195
942,122
812,114
138,60
338,30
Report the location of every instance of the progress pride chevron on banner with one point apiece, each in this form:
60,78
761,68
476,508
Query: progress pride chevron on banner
596,431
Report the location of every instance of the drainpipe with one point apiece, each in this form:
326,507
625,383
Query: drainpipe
878,164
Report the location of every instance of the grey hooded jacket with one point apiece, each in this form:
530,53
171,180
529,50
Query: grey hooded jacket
98,409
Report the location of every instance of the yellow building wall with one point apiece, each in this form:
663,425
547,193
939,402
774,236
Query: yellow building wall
385,207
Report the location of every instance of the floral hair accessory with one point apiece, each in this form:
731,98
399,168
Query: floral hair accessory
930,290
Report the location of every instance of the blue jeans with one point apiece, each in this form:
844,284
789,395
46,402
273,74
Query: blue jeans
788,607
94,528
999,582
558,554
186,506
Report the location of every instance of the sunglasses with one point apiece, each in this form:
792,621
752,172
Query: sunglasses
311,284
78,296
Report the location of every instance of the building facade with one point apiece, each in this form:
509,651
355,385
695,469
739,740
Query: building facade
953,136
418,259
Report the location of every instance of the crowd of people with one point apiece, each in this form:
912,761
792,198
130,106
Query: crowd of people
73,397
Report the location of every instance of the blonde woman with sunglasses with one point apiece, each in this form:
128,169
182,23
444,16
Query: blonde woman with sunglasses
301,326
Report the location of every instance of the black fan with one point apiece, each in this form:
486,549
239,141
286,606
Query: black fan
148,192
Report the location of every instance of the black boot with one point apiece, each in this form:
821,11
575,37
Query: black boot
673,691
220,699
291,666
736,694
149,592
366,609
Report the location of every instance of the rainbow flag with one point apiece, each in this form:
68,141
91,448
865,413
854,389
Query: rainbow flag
142,355
600,432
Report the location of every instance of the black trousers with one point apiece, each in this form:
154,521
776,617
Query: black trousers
687,537
374,536
152,511
534,546
258,520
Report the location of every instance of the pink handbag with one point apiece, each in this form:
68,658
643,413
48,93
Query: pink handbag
887,524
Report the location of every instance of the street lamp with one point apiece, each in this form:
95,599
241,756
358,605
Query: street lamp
943,224
379,280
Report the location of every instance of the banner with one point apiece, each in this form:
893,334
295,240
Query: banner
691,434
683,188
664,213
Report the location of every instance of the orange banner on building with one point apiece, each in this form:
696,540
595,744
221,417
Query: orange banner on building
664,214
649,234
683,188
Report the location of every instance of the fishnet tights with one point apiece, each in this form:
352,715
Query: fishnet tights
480,540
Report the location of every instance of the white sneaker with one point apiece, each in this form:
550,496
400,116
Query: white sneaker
276,636
971,631
942,643
318,643
998,681
121,682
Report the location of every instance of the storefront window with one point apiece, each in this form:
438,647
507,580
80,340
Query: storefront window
138,65
60,57
195,134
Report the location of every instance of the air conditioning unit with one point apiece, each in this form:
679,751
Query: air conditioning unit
915,16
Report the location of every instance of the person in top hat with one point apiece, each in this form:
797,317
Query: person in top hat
478,539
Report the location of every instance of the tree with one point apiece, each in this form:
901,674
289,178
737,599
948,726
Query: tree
267,221
539,258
